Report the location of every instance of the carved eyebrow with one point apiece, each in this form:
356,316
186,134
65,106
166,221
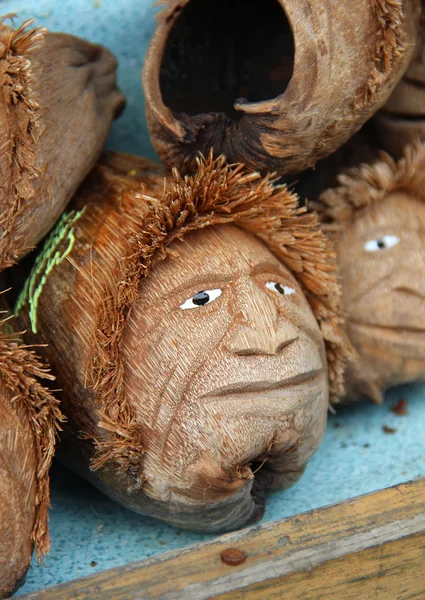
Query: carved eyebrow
271,267
204,281
379,231
214,279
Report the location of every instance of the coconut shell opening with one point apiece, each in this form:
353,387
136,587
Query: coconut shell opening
276,85
218,54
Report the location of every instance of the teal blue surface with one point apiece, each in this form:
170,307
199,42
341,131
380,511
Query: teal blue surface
89,532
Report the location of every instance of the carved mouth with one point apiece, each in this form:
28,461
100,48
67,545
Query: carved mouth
401,336
261,387
393,329
289,394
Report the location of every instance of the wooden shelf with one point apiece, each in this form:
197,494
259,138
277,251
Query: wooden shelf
372,546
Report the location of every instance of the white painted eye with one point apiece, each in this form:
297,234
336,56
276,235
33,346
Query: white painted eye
201,299
279,288
386,241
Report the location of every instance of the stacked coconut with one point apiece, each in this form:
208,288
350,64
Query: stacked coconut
58,99
193,318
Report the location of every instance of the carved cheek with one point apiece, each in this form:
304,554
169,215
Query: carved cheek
365,276
236,428
159,370
301,315
351,262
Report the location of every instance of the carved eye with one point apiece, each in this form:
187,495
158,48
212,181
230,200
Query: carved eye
386,241
201,299
279,288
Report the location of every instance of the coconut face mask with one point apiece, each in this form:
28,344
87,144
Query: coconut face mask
377,217
194,325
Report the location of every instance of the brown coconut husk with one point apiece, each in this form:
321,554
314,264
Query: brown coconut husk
402,120
45,80
217,194
279,96
360,192
19,114
30,423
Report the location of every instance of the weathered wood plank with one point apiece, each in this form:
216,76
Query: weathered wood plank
372,546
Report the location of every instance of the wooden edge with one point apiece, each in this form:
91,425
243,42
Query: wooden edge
372,546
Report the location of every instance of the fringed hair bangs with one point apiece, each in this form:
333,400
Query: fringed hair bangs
365,185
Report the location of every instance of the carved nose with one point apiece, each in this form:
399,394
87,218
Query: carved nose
411,280
248,342
261,330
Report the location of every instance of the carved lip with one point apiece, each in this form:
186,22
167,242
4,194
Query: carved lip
415,332
262,386
408,342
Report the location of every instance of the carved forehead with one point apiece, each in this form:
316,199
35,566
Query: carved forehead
397,210
214,254
226,247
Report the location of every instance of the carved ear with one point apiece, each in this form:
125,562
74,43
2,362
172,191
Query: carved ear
279,96
57,101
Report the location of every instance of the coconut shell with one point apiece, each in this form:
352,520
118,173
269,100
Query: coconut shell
93,298
58,97
29,422
277,85
402,120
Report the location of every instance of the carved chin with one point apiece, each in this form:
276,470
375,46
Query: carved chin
244,506
219,483
386,357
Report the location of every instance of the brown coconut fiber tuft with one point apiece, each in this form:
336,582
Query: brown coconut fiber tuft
19,113
368,184
389,45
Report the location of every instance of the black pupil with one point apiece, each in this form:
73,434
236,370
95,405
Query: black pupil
381,244
279,288
200,298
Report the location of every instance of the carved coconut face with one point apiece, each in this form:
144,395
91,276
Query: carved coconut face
382,262
230,375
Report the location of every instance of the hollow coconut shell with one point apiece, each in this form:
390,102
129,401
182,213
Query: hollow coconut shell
30,419
58,97
83,300
277,85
